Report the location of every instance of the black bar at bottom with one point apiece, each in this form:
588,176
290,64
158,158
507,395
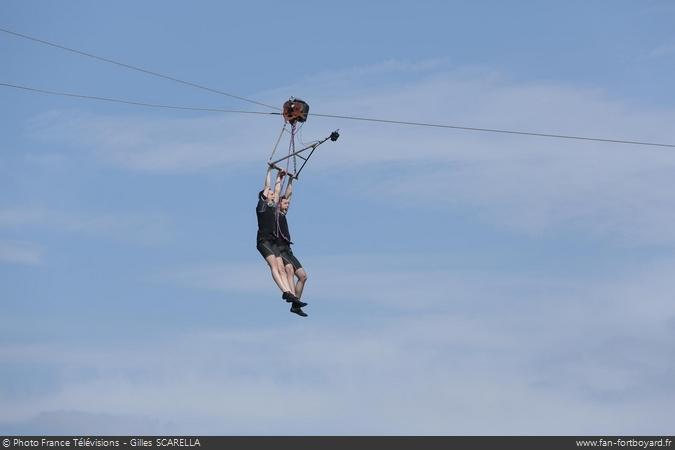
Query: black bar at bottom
340,442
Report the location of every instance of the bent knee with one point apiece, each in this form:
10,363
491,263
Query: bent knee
302,275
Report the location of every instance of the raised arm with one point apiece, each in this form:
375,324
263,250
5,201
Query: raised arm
268,179
289,188
278,183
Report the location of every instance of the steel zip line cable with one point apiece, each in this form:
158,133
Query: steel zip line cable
335,116
129,66
131,102
495,130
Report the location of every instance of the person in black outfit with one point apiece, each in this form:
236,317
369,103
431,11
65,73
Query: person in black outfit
291,265
266,212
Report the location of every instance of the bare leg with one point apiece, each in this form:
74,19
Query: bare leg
284,275
302,279
288,269
278,278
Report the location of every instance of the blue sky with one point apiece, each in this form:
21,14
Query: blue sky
459,283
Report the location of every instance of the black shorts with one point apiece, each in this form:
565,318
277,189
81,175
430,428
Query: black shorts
267,248
289,258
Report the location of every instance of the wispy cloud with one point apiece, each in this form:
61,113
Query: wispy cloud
145,228
474,98
159,145
223,277
662,51
570,365
397,282
50,159
21,252
60,422
465,353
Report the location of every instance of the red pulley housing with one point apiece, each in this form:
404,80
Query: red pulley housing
295,110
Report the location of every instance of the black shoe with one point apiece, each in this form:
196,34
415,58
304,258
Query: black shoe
298,304
298,311
290,298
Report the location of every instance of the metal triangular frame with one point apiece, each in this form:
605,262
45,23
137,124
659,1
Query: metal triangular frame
299,154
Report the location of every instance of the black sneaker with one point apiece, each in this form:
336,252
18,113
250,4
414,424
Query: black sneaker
290,298
298,311
298,304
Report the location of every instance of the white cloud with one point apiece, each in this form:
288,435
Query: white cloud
21,252
483,353
158,144
49,159
145,228
512,371
663,50
402,282
223,277
60,423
